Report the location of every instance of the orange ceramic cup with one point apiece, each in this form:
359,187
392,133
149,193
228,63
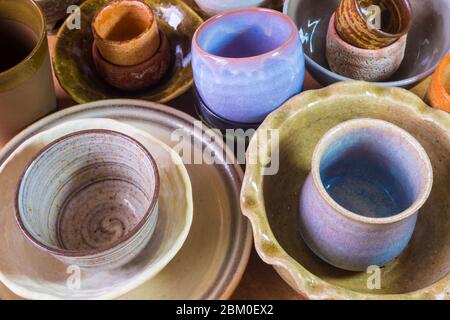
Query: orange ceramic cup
438,95
126,32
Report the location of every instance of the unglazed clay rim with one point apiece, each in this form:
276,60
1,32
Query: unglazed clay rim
38,45
117,3
252,194
84,253
403,31
351,125
258,10
404,82
231,272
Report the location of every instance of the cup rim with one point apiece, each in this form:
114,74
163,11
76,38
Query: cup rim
111,4
42,38
403,31
292,37
86,253
350,125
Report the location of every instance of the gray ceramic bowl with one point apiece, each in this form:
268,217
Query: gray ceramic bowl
428,40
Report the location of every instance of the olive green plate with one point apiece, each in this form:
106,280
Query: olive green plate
76,72
271,201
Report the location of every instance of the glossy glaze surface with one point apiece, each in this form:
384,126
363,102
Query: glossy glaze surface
243,68
358,206
428,40
271,202
76,72
438,94
214,256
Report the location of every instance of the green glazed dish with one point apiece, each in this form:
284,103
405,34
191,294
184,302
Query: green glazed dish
75,70
271,201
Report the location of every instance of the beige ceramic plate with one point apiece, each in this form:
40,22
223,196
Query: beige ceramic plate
271,202
74,68
215,254
33,274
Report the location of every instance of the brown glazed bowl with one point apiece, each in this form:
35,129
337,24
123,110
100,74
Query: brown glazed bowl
352,25
126,32
140,76
428,40
363,64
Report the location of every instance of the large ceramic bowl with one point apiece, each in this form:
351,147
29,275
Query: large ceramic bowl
271,202
428,40
75,70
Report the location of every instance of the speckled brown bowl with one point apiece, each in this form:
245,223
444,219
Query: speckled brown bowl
353,27
136,77
428,40
90,199
271,203
363,64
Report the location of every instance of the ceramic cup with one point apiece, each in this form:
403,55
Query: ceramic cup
438,94
140,76
26,82
354,27
247,62
213,7
359,204
126,32
90,199
363,64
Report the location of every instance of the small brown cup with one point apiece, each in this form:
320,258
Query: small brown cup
126,32
140,76
353,27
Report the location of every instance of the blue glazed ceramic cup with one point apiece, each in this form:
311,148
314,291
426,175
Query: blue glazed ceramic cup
359,204
247,62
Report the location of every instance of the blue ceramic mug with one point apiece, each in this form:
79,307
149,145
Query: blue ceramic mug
359,204
247,63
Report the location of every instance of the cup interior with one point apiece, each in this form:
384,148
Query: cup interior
21,27
87,192
123,20
371,169
240,34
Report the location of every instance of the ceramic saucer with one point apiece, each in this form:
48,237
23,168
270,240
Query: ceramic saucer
34,274
75,70
215,254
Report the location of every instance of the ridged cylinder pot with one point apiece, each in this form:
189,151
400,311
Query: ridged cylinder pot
90,199
247,63
359,204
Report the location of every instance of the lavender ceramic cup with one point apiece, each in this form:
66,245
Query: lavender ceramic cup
359,204
90,199
247,62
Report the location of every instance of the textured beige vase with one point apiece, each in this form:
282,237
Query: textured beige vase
26,90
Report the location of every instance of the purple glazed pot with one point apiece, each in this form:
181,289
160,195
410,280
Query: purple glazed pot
247,62
359,204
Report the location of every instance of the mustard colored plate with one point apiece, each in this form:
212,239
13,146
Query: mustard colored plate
75,70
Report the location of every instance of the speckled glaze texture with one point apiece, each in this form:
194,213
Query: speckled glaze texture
76,72
137,41
371,216
247,62
271,202
428,39
137,77
438,94
363,64
90,199
213,251
354,29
